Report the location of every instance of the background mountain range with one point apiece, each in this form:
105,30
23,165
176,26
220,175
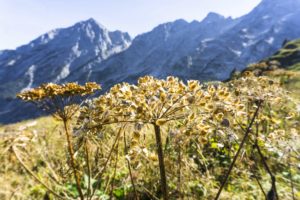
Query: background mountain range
207,50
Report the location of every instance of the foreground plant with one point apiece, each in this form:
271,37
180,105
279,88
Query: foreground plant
269,110
197,136
63,102
152,101
210,118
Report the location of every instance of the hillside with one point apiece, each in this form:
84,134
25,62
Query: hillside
283,66
288,56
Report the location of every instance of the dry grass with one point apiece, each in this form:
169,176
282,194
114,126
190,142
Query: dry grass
45,135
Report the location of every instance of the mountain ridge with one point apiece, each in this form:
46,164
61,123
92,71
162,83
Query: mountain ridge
52,57
205,50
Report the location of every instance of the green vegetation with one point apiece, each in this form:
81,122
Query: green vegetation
288,56
283,66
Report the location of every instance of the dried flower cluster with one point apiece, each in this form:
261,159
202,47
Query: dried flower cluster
62,101
197,116
51,90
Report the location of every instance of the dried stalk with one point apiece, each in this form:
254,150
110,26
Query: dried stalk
129,168
292,182
273,179
99,175
179,171
248,130
87,157
260,186
33,175
159,148
73,164
115,171
273,191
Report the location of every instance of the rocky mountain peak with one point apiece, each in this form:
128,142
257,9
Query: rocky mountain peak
278,6
91,22
213,17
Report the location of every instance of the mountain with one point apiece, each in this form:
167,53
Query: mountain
206,50
52,57
56,54
210,49
159,50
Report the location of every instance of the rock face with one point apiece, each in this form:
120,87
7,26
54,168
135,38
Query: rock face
206,50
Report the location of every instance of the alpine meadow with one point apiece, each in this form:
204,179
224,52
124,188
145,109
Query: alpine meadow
204,109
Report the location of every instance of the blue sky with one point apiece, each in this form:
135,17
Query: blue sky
23,20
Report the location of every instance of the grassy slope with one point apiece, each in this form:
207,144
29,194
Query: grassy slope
289,58
43,134
16,184
287,67
289,55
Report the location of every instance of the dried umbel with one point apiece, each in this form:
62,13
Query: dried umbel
201,110
150,101
61,100
51,90
160,103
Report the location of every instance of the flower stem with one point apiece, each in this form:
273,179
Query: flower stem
248,130
73,164
163,179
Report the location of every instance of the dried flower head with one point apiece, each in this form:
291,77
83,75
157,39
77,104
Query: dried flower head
60,100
